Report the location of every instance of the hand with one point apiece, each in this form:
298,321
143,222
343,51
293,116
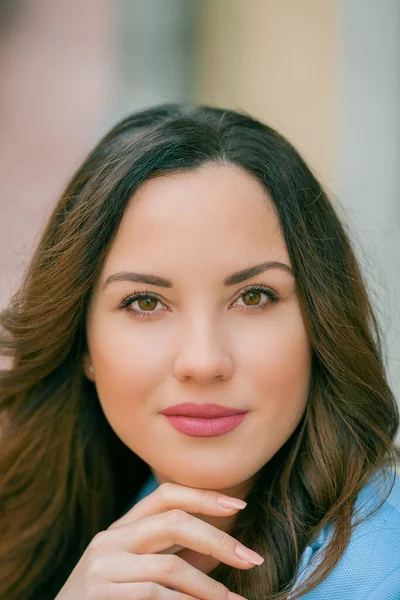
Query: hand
126,561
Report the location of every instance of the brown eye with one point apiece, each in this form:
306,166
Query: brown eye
253,296
257,298
147,303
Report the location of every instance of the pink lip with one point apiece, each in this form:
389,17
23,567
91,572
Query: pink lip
203,411
204,420
210,427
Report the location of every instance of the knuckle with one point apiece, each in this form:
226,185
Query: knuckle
169,564
164,490
205,497
175,518
98,544
218,590
223,541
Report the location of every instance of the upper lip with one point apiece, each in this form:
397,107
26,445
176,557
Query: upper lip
206,411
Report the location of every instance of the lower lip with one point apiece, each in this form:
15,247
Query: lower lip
197,427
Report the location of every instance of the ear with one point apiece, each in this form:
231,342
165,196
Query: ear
86,362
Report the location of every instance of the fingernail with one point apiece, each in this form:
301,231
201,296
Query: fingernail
231,502
248,555
233,596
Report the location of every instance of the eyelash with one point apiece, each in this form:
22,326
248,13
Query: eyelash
138,294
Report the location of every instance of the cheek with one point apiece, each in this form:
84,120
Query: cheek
278,371
129,366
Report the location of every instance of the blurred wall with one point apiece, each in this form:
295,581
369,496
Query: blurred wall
156,45
369,154
278,61
57,82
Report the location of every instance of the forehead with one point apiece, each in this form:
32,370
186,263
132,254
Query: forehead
215,211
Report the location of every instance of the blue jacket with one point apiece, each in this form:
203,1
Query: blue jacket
370,566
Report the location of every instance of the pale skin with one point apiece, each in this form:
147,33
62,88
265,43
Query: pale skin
200,341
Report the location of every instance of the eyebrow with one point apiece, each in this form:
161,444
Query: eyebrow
233,279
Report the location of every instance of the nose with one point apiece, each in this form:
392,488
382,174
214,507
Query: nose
203,354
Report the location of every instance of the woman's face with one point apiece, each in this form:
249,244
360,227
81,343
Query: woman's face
200,340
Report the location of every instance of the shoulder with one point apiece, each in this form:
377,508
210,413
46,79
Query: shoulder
370,566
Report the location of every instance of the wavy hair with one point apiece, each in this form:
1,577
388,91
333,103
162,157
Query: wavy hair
65,475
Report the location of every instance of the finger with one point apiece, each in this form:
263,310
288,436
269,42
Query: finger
172,495
169,571
143,591
173,549
159,532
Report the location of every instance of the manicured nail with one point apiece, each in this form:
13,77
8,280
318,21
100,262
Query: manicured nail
248,555
231,502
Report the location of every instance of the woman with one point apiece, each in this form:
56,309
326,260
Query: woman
194,258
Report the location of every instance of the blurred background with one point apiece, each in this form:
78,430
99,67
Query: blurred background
325,73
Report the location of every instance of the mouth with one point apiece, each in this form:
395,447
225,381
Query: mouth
205,427
204,420
202,411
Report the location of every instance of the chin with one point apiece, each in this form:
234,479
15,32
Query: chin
205,478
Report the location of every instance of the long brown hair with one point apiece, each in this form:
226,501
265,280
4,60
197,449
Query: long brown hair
65,475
